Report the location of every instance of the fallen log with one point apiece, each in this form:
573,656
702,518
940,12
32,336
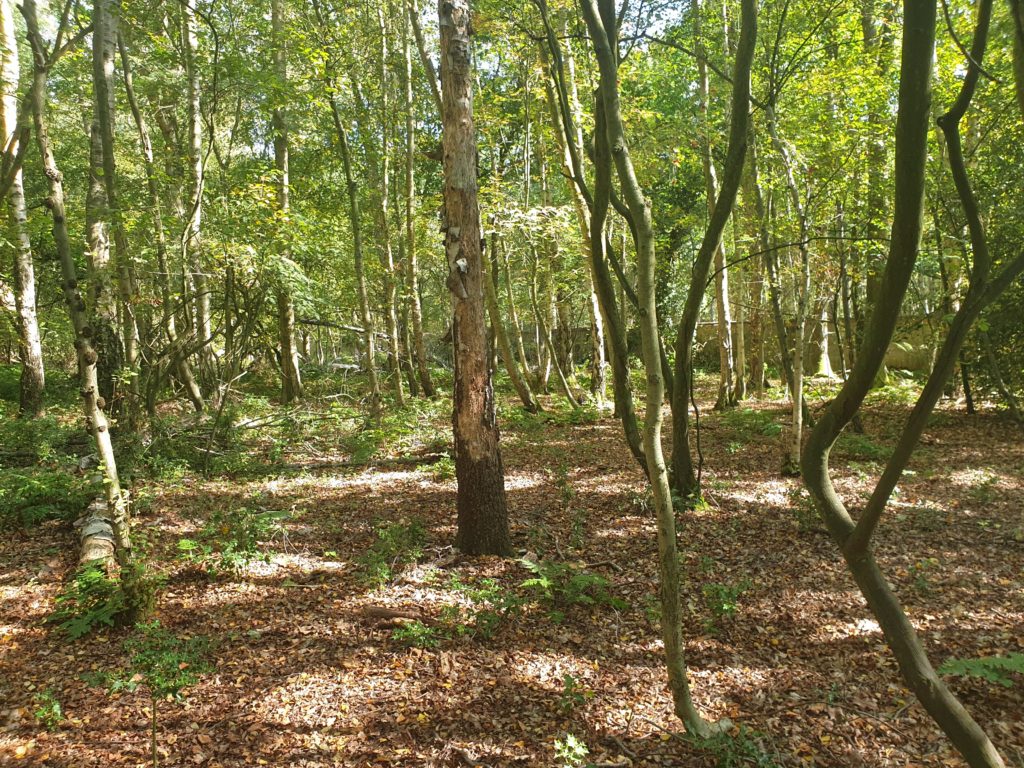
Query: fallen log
96,534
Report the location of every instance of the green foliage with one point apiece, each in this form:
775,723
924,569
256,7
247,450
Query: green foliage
804,510
722,601
564,585
443,469
89,601
416,634
48,712
162,661
748,422
994,669
397,544
491,604
574,694
37,440
921,571
233,538
31,496
861,446
737,749
94,599
571,752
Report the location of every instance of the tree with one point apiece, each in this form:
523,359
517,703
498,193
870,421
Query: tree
482,511
854,537
30,347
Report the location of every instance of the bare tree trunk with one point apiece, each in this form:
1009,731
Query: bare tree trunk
684,475
723,320
105,24
418,346
30,348
791,464
519,381
192,233
739,328
357,255
482,510
291,379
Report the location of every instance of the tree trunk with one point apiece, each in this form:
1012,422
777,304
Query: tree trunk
178,361
521,384
30,348
602,24
291,379
482,510
192,233
82,324
357,256
684,475
723,320
418,345
854,538
105,24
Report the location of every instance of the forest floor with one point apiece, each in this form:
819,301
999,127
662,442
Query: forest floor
306,668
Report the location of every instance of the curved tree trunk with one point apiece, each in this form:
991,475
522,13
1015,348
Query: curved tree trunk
684,475
178,361
854,537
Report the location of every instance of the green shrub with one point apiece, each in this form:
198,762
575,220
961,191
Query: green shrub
31,496
32,441
571,752
722,601
89,601
994,669
443,469
416,634
861,446
93,599
574,694
397,544
48,712
739,748
233,538
564,585
747,422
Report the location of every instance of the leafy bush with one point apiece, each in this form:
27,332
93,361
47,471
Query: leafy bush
571,752
747,422
861,446
31,496
31,441
417,634
397,544
492,605
89,601
48,712
994,669
94,599
737,749
722,600
443,469
574,694
233,538
563,585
